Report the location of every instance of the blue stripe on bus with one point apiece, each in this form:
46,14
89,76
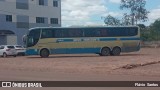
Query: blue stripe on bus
108,39
123,39
75,50
31,52
101,39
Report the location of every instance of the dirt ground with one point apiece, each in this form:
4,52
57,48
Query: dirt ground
88,64
143,65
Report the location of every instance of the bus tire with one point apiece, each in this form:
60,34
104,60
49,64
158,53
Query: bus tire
116,51
105,51
44,53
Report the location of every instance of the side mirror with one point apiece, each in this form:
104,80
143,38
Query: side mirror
24,39
30,40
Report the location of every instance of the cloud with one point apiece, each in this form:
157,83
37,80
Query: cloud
115,1
154,14
81,12
86,12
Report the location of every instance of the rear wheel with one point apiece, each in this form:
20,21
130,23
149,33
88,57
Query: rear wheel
15,56
116,51
105,52
23,54
4,55
44,53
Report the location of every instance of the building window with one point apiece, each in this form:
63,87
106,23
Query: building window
55,3
40,20
22,4
22,25
41,2
54,20
9,18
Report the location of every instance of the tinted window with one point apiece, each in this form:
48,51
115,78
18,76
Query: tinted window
88,32
59,33
33,37
1,47
11,47
92,32
75,33
19,47
68,33
115,32
48,33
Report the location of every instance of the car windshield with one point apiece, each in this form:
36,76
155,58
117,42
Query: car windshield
19,47
11,47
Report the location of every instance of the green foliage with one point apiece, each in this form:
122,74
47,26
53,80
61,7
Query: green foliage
151,33
137,10
155,30
111,21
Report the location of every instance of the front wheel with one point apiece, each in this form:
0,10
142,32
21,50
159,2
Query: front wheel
116,51
105,52
4,55
44,53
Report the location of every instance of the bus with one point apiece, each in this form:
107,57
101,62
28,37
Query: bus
104,41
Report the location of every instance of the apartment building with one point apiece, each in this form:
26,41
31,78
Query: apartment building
17,16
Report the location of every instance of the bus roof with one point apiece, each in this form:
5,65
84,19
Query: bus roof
81,27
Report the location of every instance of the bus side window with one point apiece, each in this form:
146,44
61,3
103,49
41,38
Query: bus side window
133,32
47,33
103,33
58,33
75,33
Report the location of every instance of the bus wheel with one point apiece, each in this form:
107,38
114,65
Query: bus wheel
105,52
4,55
116,51
44,53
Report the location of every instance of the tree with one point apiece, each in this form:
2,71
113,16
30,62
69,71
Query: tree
126,20
144,32
137,10
155,30
111,21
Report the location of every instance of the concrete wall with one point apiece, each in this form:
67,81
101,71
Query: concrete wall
11,40
8,40
3,40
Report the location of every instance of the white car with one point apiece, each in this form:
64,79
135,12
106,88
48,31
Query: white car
20,50
7,50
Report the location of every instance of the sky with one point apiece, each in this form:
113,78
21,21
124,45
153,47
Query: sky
92,12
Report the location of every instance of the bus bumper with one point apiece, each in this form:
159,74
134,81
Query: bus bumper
32,52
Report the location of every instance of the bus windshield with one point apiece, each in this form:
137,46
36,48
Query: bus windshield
33,37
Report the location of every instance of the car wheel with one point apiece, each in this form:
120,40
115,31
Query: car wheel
4,55
23,54
15,56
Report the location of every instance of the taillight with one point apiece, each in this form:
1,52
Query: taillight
8,49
